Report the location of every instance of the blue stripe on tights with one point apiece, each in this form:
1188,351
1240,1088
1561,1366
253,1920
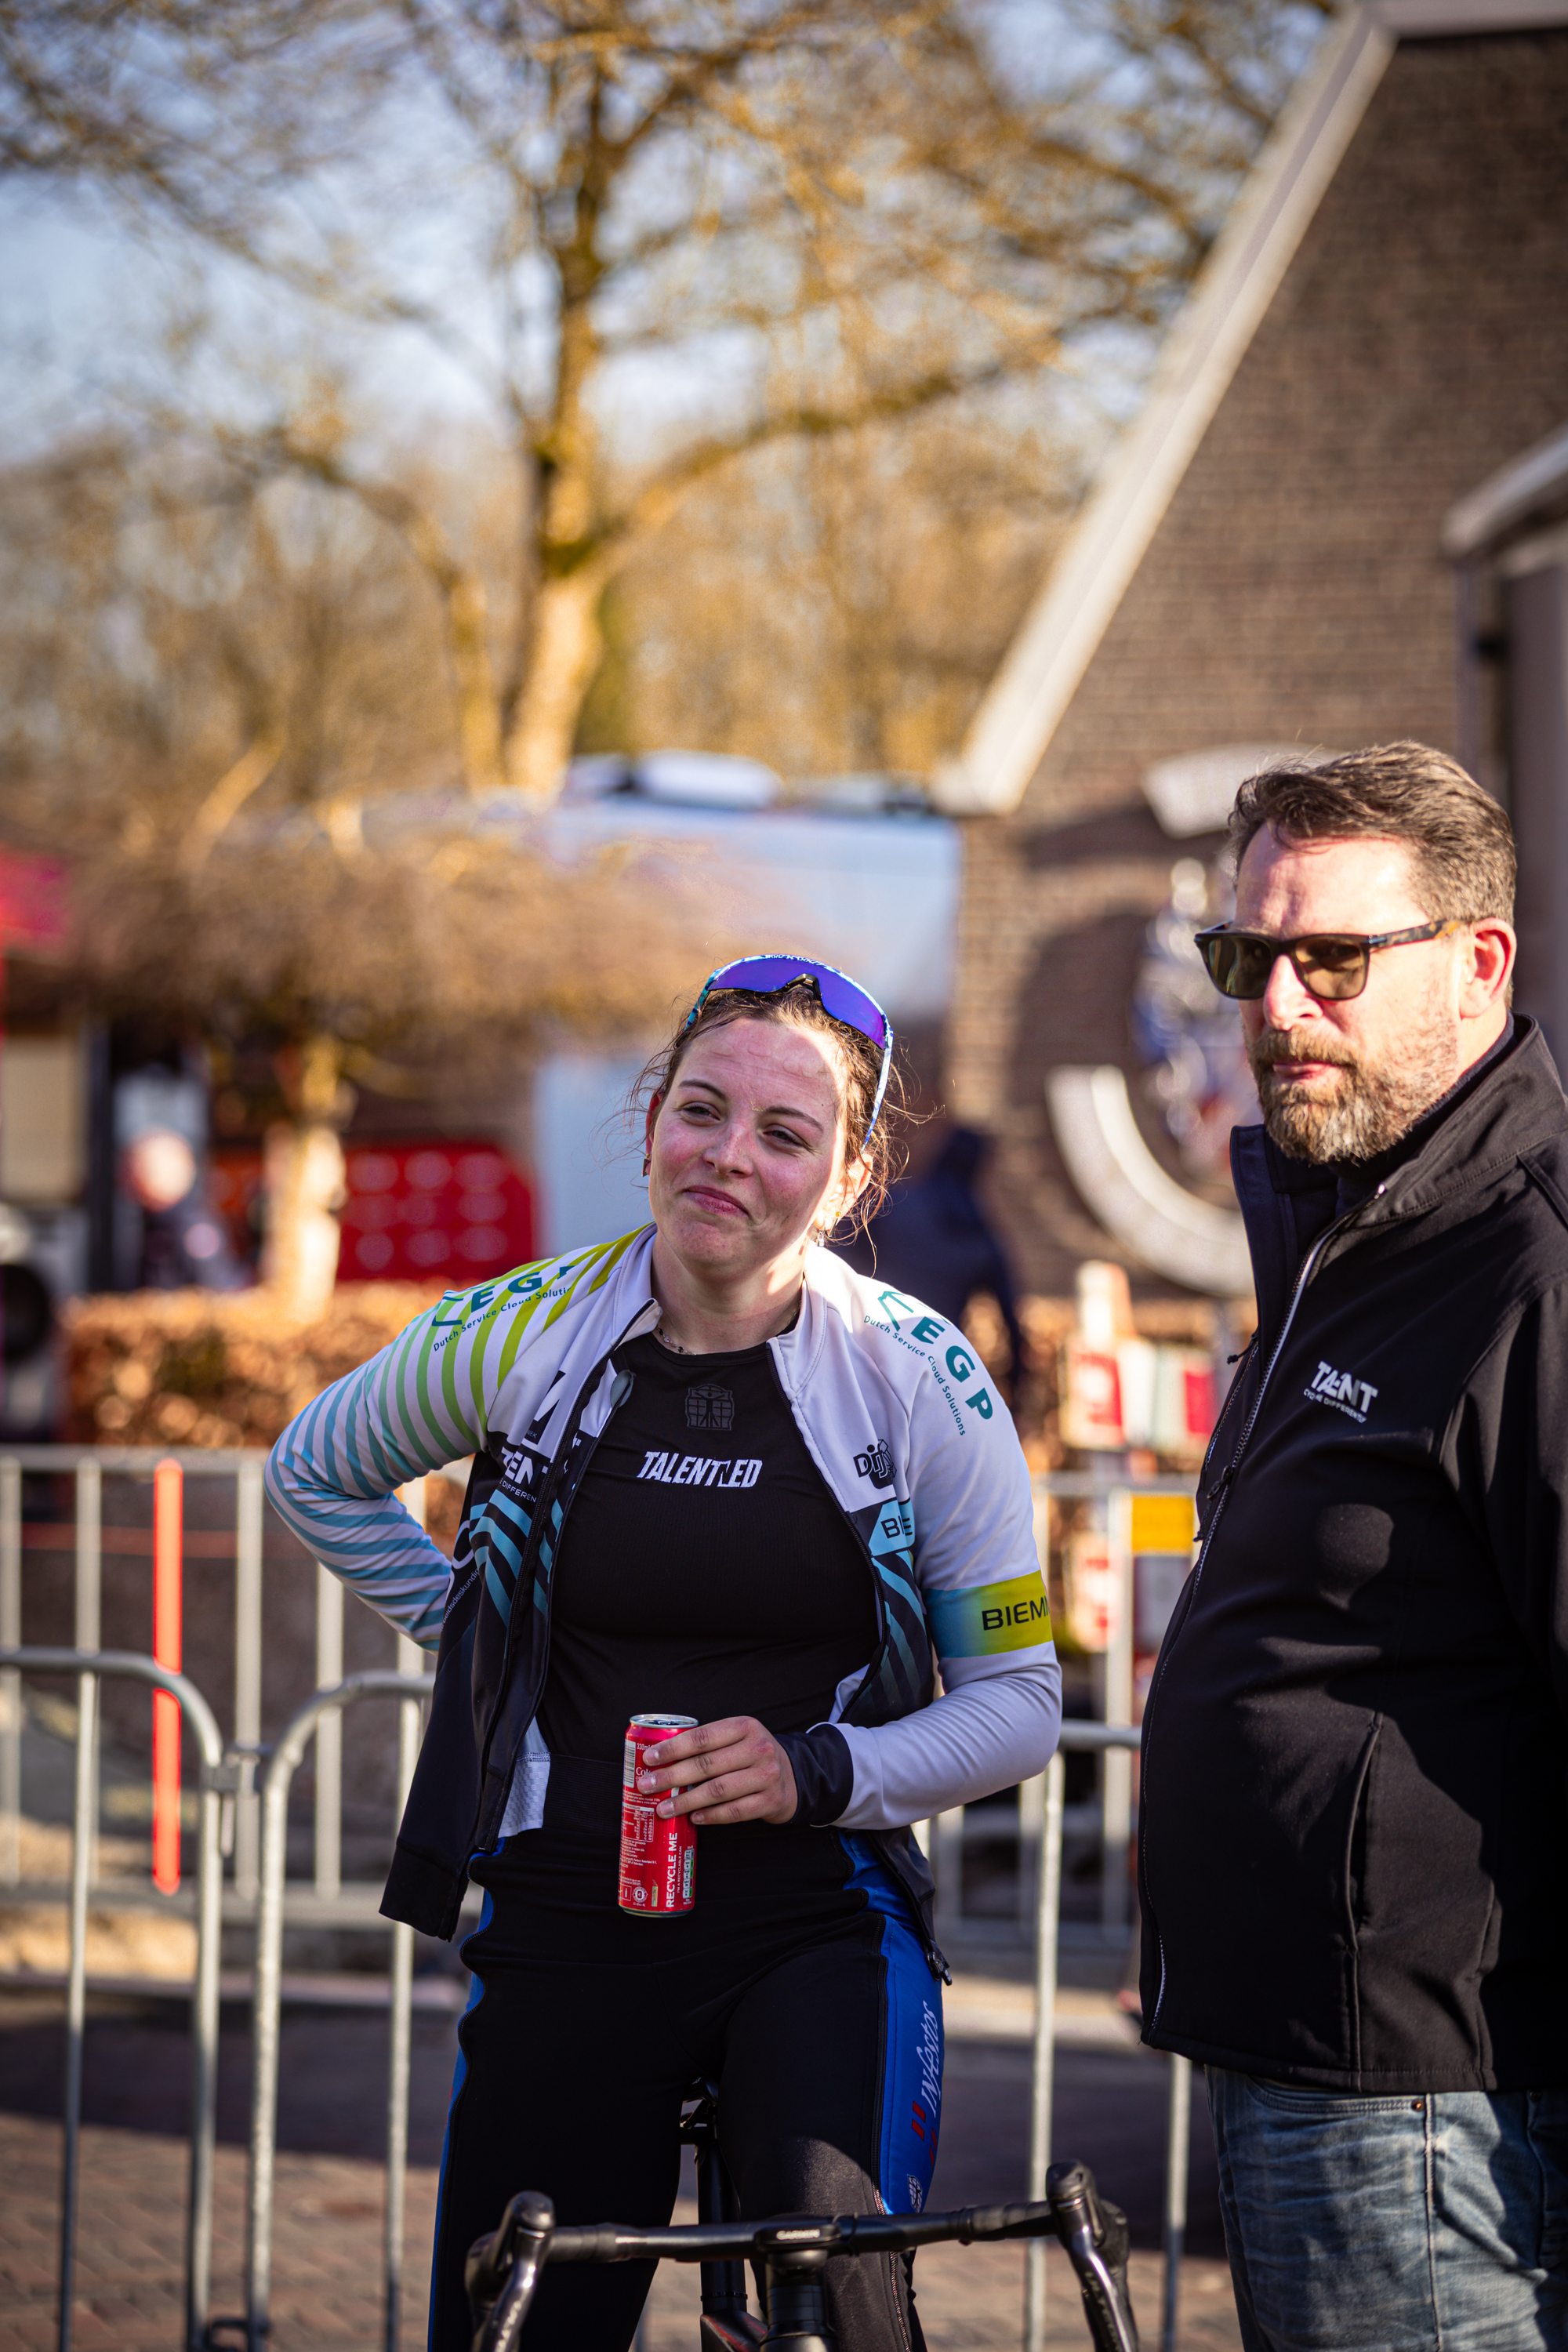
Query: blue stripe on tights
912,2054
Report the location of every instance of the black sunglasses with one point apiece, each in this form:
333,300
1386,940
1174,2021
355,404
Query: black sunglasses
1332,965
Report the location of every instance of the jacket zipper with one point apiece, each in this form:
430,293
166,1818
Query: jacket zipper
558,1467
1307,1268
1230,1395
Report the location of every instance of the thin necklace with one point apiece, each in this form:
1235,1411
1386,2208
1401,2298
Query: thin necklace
662,1335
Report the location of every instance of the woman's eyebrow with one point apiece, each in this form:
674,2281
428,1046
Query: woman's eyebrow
773,1110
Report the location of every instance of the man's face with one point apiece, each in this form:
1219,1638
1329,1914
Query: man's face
1343,1081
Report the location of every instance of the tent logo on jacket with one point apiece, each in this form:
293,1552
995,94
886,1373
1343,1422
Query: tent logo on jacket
1341,1389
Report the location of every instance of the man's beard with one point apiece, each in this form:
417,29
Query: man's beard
1370,1108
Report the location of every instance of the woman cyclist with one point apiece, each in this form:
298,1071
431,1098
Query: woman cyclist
715,1474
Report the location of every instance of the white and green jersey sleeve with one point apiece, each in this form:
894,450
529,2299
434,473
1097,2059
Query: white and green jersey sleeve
431,1398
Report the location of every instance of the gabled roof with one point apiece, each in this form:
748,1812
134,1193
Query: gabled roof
1041,672
1510,497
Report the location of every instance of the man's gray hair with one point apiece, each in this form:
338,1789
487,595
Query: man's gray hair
1462,840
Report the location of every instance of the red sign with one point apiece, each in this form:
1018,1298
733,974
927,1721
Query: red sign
454,1212
1091,1396
33,912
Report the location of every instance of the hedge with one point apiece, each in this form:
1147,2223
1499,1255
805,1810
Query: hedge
206,1368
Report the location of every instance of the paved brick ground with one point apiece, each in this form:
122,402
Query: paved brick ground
328,2254
328,2248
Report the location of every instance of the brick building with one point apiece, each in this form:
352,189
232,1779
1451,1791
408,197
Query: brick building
1382,325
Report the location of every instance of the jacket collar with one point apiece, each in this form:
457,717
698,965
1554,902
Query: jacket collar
1514,1103
630,1300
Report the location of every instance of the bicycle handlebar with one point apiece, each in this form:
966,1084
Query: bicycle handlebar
850,2233
503,2269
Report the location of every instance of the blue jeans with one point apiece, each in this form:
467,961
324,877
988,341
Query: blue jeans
1431,2224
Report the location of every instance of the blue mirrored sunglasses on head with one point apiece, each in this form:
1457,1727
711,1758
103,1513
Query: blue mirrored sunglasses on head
838,995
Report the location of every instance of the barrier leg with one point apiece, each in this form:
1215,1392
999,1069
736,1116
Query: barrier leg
204,2070
328,1735
168,1511
410,1659
10,1682
947,1865
1178,2141
90,1667
1031,1838
76,1991
264,2053
247,1664
90,1593
1116,1766
1043,2073
402,1989
310,1719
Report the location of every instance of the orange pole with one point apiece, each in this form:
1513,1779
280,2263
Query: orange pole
168,1514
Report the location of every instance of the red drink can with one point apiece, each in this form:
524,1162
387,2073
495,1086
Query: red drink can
658,1857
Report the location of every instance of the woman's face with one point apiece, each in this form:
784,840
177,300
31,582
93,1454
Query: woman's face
746,1148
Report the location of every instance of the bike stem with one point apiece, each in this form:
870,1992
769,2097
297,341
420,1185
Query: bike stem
797,2313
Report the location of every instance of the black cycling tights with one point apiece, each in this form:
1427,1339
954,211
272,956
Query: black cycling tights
797,1983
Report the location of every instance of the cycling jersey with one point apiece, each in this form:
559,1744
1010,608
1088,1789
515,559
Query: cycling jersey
912,1445
705,1570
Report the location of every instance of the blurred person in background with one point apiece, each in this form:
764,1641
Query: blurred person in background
933,1238
719,1474
183,1241
1353,1847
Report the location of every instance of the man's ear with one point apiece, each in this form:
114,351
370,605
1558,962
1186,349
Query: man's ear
1493,950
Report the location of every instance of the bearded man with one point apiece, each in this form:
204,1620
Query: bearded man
1353,1851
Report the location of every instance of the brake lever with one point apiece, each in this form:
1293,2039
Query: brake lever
502,2271
1095,2234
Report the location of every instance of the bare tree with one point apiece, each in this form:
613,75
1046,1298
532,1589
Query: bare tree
844,221
837,604
326,895
207,115
835,216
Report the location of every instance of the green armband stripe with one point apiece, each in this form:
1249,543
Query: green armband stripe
990,1618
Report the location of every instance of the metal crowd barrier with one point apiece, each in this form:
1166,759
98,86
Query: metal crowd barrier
327,1901
88,1465
1107,1821
260,1823
324,1710
219,1778
1101,1738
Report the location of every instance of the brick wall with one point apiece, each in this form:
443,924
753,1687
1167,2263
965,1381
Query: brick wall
1295,591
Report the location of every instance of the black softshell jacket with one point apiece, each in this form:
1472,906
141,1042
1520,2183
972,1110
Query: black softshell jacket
1353,1843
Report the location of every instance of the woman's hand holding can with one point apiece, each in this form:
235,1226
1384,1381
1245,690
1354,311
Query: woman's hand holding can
733,1770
